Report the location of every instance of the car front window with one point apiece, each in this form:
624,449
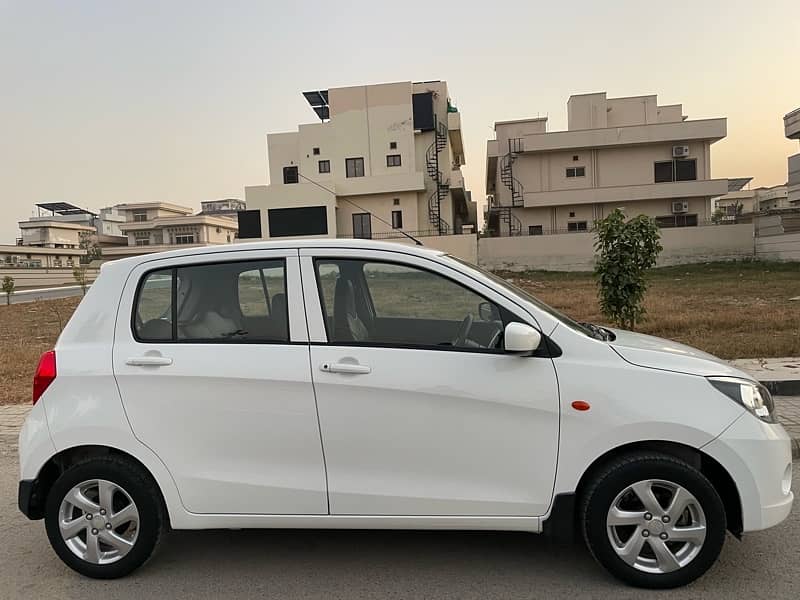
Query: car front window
518,291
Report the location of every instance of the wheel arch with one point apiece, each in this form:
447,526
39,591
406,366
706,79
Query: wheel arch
716,473
63,460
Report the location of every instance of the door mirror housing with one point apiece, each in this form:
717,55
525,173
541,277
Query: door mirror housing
520,338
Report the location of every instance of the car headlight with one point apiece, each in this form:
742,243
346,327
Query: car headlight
750,394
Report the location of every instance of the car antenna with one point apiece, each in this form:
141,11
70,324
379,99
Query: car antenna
408,235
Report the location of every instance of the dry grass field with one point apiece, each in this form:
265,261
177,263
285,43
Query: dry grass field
733,310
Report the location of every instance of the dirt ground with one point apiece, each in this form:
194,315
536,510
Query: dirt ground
733,310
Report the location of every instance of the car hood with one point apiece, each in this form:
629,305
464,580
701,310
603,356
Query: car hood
657,353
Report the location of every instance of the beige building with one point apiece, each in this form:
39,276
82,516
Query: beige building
791,124
627,153
739,202
382,158
62,225
165,224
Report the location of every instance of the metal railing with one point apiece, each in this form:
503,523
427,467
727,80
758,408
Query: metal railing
389,235
590,229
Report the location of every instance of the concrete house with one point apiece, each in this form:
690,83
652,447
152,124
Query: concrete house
383,157
791,125
628,153
165,224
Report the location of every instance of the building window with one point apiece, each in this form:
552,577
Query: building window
396,202
392,145
362,226
397,219
576,171
686,169
184,238
572,213
535,230
576,226
354,167
143,242
677,221
141,238
315,151
140,216
574,157
324,166
681,169
392,160
290,175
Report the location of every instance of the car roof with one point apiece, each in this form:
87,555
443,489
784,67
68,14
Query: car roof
354,244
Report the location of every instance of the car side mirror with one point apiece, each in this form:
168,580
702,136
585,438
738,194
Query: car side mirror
520,338
488,312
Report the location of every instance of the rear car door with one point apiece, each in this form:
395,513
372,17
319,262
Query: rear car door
211,359
421,411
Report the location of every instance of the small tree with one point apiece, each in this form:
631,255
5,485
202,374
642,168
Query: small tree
8,287
93,252
81,277
627,249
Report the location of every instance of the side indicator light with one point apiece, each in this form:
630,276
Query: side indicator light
581,405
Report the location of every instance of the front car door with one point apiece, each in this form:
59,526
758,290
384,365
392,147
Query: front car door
211,359
421,411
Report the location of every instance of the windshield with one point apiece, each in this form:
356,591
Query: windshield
508,286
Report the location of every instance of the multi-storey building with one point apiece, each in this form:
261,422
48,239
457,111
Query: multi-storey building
227,207
739,202
165,224
791,124
627,153
62,225
382,158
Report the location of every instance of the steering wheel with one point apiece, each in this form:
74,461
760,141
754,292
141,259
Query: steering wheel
463,331
494,343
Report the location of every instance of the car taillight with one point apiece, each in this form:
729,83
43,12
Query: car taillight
45,374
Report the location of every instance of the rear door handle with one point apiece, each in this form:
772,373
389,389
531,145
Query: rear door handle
148,361
350,368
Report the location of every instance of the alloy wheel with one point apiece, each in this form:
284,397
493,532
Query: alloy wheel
98,521
656,526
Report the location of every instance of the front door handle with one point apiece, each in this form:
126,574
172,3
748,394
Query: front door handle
350,368
148,361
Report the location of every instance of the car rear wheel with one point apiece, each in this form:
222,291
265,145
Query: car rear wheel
653,521
104,517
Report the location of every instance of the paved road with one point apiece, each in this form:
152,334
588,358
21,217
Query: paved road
65,291
357,564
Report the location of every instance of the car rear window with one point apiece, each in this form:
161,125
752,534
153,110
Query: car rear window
220,302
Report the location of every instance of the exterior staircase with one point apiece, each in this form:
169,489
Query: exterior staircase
442,185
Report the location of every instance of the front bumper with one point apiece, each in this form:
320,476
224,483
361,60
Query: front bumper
758,456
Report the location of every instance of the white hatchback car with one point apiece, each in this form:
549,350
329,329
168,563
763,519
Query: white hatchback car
356,384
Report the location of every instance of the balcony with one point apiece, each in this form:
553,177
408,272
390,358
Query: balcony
703,129
456,179
456,141
791,125
625,193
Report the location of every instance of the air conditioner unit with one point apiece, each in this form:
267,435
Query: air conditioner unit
680,207
680,151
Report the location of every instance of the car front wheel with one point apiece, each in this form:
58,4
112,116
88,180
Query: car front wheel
104,517
653,521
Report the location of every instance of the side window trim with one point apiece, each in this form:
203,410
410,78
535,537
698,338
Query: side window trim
317,258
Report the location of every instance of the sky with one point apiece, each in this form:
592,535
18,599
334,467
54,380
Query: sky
103,102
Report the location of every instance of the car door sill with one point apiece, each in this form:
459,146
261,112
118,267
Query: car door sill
187,520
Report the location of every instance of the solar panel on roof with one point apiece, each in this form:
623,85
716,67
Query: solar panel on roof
318,100
64,208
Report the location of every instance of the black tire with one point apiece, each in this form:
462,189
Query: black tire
141,489
630,469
